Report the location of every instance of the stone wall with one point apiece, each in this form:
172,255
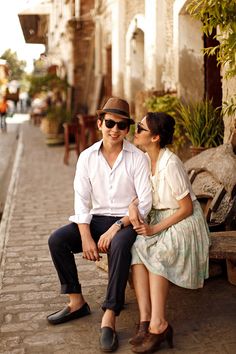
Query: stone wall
83,55
229,89
168,76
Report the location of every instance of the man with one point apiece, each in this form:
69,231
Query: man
3,114
109,175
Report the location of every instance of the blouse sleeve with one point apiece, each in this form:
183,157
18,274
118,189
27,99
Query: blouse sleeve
177,179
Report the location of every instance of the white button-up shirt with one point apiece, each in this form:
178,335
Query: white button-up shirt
102,190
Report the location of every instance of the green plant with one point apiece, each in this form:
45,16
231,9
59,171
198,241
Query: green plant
46,83
202,123
168,104
229,107
220,15
58,114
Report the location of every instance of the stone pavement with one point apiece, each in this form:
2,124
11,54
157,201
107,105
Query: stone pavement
41,199
8,142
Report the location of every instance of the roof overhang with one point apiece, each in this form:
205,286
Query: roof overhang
34,23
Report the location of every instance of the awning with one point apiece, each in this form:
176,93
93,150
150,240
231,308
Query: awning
34,23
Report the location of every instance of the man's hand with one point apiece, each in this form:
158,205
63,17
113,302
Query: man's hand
105,239
90,250
144,229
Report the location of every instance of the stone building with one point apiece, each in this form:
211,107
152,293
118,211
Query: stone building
128,48
66,29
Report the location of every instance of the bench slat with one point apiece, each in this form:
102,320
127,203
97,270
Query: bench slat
223,244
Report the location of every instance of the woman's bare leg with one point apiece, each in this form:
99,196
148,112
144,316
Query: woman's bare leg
141,285
159,287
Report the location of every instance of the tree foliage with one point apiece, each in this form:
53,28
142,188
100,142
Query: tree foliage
220,15
17,67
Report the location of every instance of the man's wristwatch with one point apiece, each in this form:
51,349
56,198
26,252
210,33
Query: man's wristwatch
120,224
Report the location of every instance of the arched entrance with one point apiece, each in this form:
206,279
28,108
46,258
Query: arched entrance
137,62
135,58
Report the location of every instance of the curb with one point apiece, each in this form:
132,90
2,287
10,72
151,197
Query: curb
9,205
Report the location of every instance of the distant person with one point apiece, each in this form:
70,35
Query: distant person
23,97
173,245
109,175
3,114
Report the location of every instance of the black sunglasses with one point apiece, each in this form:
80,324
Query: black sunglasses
121,125
140,128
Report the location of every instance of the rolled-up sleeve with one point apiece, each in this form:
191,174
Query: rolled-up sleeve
82,190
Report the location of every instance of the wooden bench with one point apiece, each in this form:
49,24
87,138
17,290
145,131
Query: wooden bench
223,246
223,242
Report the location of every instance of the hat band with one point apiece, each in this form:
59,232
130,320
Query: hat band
116,111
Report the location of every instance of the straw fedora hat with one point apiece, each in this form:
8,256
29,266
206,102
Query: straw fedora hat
118,107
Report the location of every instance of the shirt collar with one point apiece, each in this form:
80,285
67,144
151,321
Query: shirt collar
127,146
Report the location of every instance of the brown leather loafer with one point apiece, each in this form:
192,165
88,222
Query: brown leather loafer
108,340
65,315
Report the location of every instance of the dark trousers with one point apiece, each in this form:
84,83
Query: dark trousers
66,241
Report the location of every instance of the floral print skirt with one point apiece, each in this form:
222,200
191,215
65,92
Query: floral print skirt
179,253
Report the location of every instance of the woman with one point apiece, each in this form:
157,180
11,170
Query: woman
173,246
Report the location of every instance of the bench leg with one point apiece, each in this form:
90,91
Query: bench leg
231,270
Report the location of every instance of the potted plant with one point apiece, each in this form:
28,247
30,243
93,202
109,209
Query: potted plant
202,124
52,124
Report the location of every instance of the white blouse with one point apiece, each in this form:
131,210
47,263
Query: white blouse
170,182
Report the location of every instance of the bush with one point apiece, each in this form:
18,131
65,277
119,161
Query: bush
202,123
168,104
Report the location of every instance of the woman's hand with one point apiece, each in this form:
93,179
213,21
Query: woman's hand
145,229
134,215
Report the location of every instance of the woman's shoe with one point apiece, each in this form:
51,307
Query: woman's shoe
141,332
152,341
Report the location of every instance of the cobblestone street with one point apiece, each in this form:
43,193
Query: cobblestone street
40,201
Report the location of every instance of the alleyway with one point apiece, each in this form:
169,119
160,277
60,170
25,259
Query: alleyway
40,201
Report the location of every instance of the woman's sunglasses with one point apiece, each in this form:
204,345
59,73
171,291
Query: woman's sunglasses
140,128
122,125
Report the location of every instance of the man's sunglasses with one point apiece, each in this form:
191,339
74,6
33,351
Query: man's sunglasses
122,125
140,128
